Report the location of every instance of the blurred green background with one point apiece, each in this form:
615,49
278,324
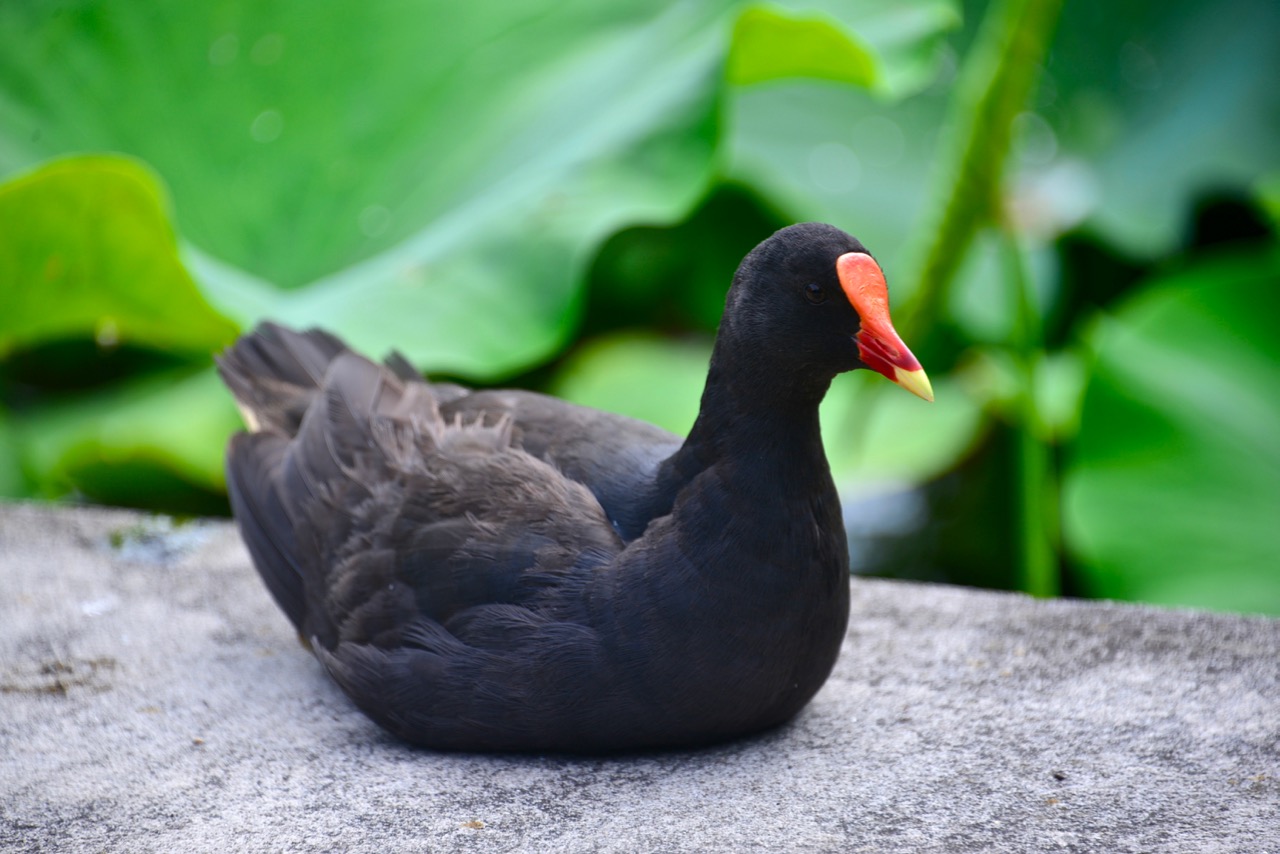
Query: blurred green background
1076,206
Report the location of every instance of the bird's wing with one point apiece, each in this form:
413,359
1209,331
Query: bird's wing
614,456
379,512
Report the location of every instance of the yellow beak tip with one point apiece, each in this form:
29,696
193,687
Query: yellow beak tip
916,382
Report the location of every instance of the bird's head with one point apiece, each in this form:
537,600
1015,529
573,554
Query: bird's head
811,295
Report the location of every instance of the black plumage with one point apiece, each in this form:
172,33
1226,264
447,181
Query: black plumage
500,570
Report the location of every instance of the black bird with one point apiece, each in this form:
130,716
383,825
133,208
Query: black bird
501,570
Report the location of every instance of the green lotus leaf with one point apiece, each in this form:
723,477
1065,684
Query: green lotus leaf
174,424
87,250
437,176
1172,488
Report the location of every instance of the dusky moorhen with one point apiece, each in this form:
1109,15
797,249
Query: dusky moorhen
501,570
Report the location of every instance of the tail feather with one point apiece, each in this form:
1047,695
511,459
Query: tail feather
274,373
317,450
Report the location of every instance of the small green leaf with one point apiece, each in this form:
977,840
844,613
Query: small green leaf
87,250
175,424
770,44
904,41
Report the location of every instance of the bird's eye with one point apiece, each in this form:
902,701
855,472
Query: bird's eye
814,293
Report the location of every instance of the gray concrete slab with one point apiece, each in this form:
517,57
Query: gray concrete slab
152,699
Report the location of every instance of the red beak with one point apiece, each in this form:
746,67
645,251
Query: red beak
879,346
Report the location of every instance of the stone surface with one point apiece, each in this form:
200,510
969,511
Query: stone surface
153,699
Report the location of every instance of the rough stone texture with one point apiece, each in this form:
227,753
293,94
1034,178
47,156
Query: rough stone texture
152,699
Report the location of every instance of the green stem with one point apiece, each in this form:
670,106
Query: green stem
1036,478
994,86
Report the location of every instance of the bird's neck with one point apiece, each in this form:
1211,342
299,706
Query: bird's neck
758,426
752,501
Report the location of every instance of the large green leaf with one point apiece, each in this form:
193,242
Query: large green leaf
1173,485
1149,104
298,140
87,250
431,177
436,176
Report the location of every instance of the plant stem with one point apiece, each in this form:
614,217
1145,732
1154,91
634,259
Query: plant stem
1036,479
994,86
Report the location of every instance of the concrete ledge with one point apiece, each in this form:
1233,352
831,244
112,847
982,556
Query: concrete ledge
152,699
